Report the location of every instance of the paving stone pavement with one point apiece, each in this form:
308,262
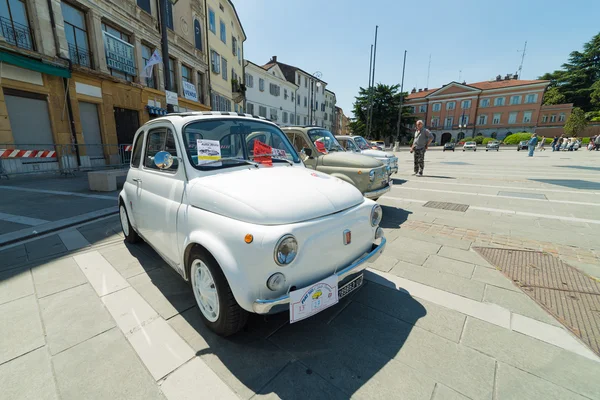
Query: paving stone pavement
434,320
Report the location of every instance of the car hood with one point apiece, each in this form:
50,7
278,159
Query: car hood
377,153
272,196
349,160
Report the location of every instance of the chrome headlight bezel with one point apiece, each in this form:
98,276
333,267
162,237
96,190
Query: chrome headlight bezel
372,175
376,215
281,242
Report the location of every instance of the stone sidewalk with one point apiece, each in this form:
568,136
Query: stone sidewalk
97,318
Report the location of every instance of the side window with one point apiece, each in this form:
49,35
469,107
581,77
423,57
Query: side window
351,146
136,155
297,140
160,139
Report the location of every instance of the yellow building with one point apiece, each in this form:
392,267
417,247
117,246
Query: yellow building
72,83
226,39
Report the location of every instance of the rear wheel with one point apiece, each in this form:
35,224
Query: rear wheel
218,308
130,234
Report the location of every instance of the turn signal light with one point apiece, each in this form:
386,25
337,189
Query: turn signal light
248,238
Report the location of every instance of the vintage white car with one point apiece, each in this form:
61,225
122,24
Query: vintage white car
358,144
252,229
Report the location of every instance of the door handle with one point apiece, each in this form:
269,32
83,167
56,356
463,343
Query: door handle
136,179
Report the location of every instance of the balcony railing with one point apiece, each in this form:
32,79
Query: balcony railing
17,34
80,56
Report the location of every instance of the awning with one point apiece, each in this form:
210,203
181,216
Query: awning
156,110
34,65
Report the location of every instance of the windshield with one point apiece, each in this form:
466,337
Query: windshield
324,141
470,143
361,143
221,143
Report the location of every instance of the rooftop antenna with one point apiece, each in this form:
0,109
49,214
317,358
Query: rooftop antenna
522,59
428,70
459,74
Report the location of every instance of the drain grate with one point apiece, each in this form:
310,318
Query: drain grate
523,195
440,205
572,297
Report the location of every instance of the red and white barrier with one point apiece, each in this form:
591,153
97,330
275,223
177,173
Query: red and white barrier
15,153
127,147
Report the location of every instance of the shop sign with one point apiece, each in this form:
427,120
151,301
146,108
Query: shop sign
189,91
172,98
119,54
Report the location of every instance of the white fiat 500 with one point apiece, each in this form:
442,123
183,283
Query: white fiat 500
358,144
226,201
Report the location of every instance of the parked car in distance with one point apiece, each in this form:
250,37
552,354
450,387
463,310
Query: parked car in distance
380,144
358,144
523,145
249,228
320,150
448,146
470,146
492,145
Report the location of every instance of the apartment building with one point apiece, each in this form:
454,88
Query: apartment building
71,72
494,108
329,110
341,122
310,96
269,94
226,39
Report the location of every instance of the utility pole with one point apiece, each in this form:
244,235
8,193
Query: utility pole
165,49
519,71
372,84
369,87
401,98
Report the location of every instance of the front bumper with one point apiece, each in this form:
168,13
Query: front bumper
265,306
378,193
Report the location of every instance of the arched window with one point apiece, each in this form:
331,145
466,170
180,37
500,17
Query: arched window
461,136
197,34
494,134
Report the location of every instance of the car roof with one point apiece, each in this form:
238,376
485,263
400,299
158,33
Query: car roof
303,127
185,117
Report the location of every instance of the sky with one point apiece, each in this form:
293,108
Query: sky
470,40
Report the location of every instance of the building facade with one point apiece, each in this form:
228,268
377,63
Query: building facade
492,108
341,122
74,71
269,94
310,96
226,39
329,110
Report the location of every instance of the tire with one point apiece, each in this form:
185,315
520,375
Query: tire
226,317
463,149
474,150
130,234
486,149
518,149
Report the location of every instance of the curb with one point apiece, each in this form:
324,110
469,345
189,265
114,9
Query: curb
31,232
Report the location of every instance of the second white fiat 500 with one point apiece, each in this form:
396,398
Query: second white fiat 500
226,201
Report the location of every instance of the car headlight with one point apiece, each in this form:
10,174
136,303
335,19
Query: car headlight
376,214
372,175
388,169
286,250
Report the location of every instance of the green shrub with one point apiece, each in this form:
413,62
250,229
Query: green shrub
549,140
479,139
515,138
586,140
487,140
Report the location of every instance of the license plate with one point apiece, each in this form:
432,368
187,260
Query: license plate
313,299
350,287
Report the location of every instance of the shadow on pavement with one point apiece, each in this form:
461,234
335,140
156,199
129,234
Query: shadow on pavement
578,167
438,177
397,181
393,217
332,355
571,183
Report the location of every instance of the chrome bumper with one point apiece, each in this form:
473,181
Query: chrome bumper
378,193
265,306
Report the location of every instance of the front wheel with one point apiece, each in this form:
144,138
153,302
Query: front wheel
486,149
130,234
218,308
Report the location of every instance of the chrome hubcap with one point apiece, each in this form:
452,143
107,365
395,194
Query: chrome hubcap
205,290
124,221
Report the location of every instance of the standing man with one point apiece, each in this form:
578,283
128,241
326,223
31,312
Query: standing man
554,143
532,142
421,142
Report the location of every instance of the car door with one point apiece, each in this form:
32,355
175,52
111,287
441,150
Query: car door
161,193
132,182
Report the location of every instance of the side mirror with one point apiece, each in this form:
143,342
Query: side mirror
307,151
163,160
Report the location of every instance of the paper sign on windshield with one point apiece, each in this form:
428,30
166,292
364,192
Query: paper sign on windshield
279,153
208,150
262,153
321,147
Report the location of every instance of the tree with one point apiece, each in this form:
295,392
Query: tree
386,100
577,81
576,122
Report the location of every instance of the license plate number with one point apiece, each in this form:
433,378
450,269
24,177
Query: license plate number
350,287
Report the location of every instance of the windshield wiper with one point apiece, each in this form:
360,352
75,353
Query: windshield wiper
274,158
230,159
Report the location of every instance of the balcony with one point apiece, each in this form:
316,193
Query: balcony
17,34
238,91
80,56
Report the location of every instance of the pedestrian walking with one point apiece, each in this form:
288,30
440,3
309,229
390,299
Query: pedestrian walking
542,143
421,142
554,142
532,142
597,142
